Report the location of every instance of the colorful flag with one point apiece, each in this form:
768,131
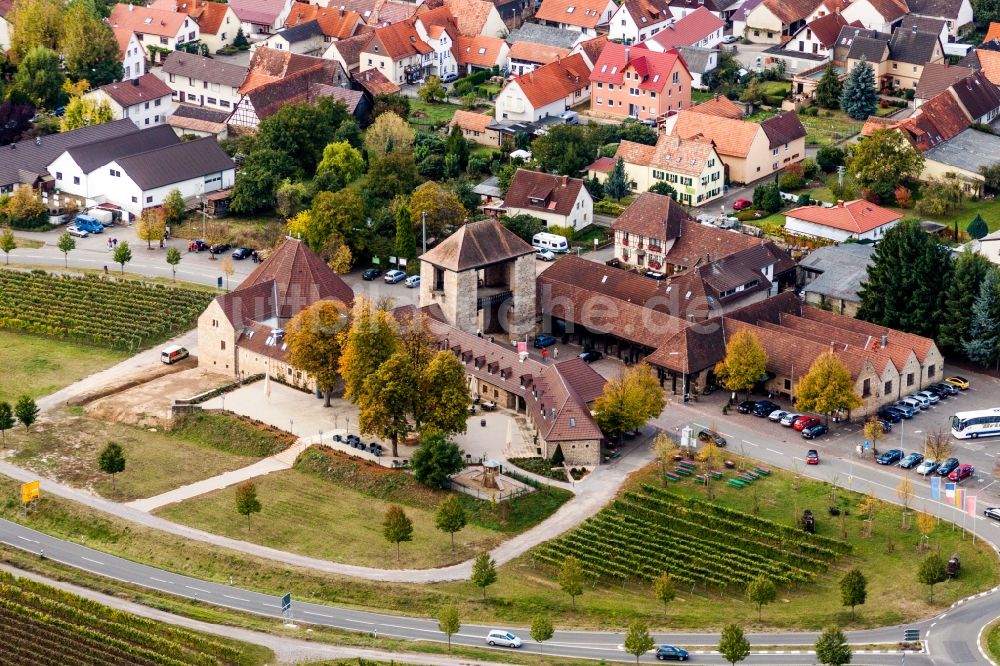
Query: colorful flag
970,505
936,487
949,492
960,498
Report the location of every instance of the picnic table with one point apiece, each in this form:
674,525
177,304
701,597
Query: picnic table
714,474
686,464
683,471
489,406
763,471
736,483
701,479
671,476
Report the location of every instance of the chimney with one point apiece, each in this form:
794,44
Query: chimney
914,30
131,7
885,340
565,181
840,203
342,10
626,55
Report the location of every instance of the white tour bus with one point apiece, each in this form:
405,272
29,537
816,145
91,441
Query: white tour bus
980,423
551,242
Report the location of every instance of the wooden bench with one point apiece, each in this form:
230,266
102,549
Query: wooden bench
763,471
688,465
683,471
745,478
714,474
671,476
736,483
751,473
700,479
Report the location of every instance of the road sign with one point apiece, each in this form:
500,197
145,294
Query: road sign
30,491
911,635
286,602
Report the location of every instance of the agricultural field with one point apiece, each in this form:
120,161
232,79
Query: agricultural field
43,625
651,530
123,315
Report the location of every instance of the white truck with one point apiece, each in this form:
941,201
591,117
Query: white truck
102,215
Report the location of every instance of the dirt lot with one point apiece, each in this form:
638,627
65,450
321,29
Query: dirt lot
148,404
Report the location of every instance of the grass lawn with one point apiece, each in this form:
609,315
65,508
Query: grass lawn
991,637
989,210
423,115
38,366
66,448
824,131
255,232
28,243
699,96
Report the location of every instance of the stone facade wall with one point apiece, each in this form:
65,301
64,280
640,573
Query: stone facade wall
578,452
521,319
216,341
251,363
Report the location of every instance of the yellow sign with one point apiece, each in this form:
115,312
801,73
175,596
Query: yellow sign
30,491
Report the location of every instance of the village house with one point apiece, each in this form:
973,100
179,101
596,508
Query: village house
133,55
722,9
146,100
581,15
217,22
547,91
478,53
304,39
700,28
476,127
898,62
936,78
775,21
477,18
637,20
202,81
831,276
956,14
159,31
261,17
700,62
818,37
879,15
638,83
691,166
963,157
335,23
857,220
556,200
533,45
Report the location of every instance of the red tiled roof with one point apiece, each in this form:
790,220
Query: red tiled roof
857,217
469,120
827,28
554,81
700,243
471,15
478,51
537,53
136,91
731,137
790,11
333,22
920,345
583,13
398,41
146,20
689,30
535,190
652,216
993,32
937,77
671,153
721,106
477,244
375,83
261,12
654,68
591,49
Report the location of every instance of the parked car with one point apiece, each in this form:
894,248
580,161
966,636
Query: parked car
931,396
542,341
504,638
812,457
922,400
886,425
220,248
394,276
746,406
928,466
962,472
741,204
992,512
412,282
590,355
789,418
905,410
730,39
805,421
74,230
890,457
197,245
934,390
671,653
950,389
544,255
911,460
947,467
889,414
370,274
960,382
242,253
448,78
914,404
777,415
812,432
764,408
710,436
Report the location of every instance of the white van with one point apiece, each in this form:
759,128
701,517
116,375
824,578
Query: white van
173,353
504,638
547,241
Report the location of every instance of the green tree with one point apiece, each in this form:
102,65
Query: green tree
571,578
89,47
444,211
240,41
932,571
369,342
991,175
484,571
6,421
247,502
301,131
451,517
745,362
260,175
960,294
664,590
617,185
984,325
432,91
733,644
406,241
977,228
390,102
435,460
761,591
332,215
853,589
397,527
66,244
883,160
39,78
664,188
7,243
342,164
832,648
448,622
541,629
314,342
26,411
859,97
174,207
566,149
35,23
84,111
829,158
389,133
829,89
629,400
754,93
122,255
638,641
392,175
940,197
173,258
111,460
767,197
524,225
458,146
444,405
907,281
827,387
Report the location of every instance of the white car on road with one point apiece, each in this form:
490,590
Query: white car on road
504,638
74,230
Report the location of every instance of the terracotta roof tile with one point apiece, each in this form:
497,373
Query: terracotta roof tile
375,83
890,10
977,94
477,244
398,41
697,242
583,13
720,106
790,11
937,77
857,217
993,32
714,6
990,63
554,81
469,120
350,49
920,345
652,216
671,153
646,13
689,30
478,51
731,137
261,12
826,28
471,15
332,22
655,68
146,20
537,53
543,191
591,49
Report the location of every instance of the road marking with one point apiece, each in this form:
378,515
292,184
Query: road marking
236,598
196,589
316,614
90,560
777,452
160,580
26,538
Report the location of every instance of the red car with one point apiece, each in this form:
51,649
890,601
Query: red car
740,204
962,472
812,458
804,422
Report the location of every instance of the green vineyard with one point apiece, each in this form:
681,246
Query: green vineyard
650,531
117,314
43,625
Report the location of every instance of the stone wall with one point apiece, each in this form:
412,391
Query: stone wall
521,317
577,452
216,341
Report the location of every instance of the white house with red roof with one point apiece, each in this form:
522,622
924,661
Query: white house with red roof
632,81
581,15
133,56
261,17
146,100
858,219
637,20
701,28
547,91
156,28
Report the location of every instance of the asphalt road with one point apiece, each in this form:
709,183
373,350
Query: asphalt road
574,644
